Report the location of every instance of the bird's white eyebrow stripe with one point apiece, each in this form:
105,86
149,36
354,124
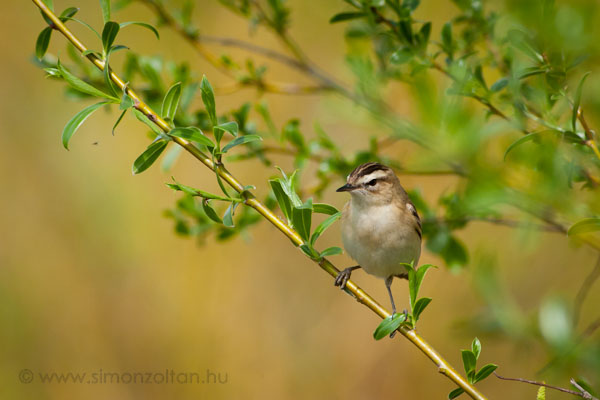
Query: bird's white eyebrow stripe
373,175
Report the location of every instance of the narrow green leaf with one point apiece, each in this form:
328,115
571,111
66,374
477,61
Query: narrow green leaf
455,393
241,140
126,101
228,217
289,186
585,225
415,278
81,86
323,226
301,221
109,34
105,5
476,348
77,120
577,101
520,141
346,16
208,98
147,158
192,134
323,208
447,39
499,85
200,193
331,251
142,24
541,393
401,56
140,116
43,40
171,102
469,361
231,127
484,372
118,121
68,14
309,251
49,4
210,212
170,158
420,306
389,325
282,198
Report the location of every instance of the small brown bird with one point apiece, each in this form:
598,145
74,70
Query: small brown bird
380,225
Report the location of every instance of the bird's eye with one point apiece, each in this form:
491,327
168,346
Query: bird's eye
372,182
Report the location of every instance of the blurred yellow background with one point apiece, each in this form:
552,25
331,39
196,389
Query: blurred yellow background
92,276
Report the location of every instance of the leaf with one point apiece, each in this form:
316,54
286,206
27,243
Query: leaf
241,140
208,98
210,212
323,208
142,24
143,118
584,226
499,85
309,251
231,127
469,361
577,101
454,253
68,14
415,278
520,141
75,122
228,217
346,16
389,325
447,39
455,393
126,101
282,198
476,347
420,306
192,134
541,393
331,251
401,56
170,158
105,5
484,372
118,121
49,4
147,158
171,102
323,226
301,221
43,40
109,34
81,86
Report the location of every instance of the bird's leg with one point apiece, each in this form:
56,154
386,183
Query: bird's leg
344,276
402,276
388,285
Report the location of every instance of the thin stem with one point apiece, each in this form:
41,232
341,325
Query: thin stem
582,393
584,290
351,288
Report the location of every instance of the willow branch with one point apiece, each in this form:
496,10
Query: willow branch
250,200
582,392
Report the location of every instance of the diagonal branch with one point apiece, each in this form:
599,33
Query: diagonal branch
582,392
251,201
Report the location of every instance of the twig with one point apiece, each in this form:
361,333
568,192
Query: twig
251,201
584,290
499,221
582,392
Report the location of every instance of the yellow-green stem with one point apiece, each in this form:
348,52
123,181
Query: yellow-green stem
351,288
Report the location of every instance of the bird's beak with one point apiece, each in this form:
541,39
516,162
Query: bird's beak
346,188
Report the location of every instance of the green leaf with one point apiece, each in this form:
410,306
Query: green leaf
499,85
323,226
118,121
541,393
170,158
520,141
142,24
476,347
75,122
81,86
43,40
447,39
454,253
147,158
585,225
208,98
401,56
484,372
192,134
289,186
210,212
49,4
171,102
231,127
282,198
301,221
143,118
345,16
126,101
415,278
68,14
331,251
228,217
455,393
109,34
323,208
577,101
420,306
105,5
241,140
469,361
199,193
309,251
388,325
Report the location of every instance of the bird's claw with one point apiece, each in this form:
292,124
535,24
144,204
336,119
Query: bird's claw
343,277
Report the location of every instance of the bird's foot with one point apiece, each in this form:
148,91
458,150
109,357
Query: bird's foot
343,277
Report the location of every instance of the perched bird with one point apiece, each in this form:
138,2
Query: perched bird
380,225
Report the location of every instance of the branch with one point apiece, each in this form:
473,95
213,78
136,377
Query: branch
251,201
582,392
584,290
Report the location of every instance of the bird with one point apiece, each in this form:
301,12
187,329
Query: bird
381,228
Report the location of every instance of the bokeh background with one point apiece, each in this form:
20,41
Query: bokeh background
92,276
